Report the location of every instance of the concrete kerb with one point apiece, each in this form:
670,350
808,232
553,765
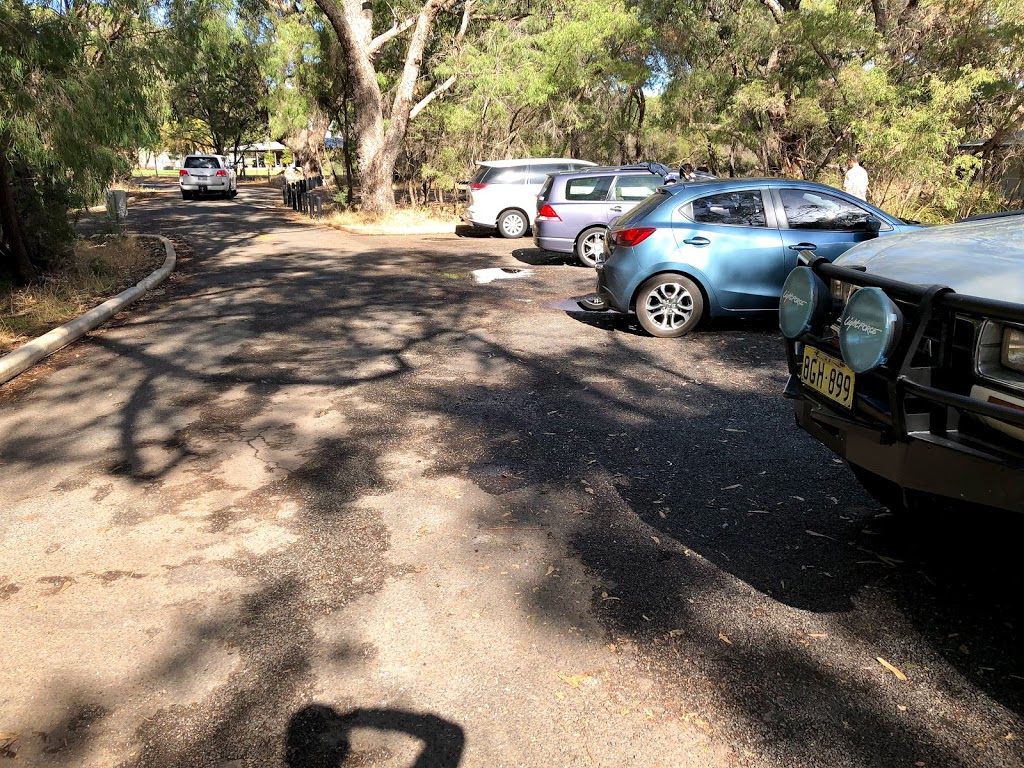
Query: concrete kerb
27,355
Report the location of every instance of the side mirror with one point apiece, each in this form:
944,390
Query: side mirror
872,225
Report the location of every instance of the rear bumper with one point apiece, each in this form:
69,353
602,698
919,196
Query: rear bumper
555,244
222,184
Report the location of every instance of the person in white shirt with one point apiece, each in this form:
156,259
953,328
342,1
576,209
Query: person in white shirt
856,181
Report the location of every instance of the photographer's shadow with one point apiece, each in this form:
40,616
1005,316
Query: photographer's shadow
318,736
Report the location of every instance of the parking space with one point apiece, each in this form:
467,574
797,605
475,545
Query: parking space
325,490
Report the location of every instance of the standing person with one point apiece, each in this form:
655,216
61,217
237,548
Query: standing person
856,180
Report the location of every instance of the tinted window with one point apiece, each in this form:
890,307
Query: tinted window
588,188
201,162
540,172
819,210
636,187
513,175
545,190
491,174
738,209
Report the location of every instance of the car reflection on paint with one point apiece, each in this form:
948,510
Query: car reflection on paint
723,247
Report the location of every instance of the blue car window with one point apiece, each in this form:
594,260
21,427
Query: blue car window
819,210
737,209
588,188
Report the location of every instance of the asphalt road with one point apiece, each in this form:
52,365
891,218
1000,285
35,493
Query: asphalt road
326,500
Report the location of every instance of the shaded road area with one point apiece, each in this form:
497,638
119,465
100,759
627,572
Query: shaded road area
326,500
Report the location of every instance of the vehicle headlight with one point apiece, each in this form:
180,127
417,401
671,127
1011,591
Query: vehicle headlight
869,329
1013,349
805,303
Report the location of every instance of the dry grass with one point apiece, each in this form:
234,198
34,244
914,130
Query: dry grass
402,218
94,272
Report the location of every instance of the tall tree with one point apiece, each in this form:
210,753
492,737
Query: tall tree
380,130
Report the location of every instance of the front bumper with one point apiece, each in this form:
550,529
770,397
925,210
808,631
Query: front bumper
914,420
953,466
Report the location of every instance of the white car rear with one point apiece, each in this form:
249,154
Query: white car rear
207,174
503,193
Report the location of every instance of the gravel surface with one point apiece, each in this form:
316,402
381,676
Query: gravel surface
327,500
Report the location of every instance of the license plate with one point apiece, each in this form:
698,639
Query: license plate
827,375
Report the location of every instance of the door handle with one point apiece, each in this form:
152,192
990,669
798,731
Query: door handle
803,247
617,209
700,242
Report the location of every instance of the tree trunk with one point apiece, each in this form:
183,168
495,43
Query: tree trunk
378,148
19,264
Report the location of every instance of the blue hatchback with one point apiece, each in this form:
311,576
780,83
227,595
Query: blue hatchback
723,247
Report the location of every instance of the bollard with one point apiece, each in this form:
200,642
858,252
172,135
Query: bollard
284,194
117,208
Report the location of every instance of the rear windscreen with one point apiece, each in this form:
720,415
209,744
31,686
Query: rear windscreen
490,174
644,208
546,189
201,162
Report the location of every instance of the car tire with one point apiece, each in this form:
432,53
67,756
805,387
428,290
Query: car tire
513,224
186,195
590,246
669,306
234,191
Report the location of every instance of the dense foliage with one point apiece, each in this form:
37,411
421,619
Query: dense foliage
413,92
77,87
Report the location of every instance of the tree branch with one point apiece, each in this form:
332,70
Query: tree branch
383,38
778,12
431,96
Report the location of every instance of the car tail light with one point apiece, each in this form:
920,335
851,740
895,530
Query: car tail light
547,213
632,236
477,186
221,172
183,172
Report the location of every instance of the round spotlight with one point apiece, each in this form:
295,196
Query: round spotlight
869,329
805,303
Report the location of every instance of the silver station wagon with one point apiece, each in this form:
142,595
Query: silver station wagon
906,358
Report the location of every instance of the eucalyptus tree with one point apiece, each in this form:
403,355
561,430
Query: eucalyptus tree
789,86
76,98
381,123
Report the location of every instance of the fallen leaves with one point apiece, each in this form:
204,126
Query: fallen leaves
574,680
724,638
895,670
819,535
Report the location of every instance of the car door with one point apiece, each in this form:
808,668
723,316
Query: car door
823,223
586,203
630,190
733,240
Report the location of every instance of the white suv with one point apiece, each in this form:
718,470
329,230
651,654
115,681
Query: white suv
503,193
203,174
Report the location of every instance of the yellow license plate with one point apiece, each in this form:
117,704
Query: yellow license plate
827,375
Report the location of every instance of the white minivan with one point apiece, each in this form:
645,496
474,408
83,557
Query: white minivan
503,193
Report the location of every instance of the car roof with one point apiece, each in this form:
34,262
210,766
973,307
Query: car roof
525,160
634,168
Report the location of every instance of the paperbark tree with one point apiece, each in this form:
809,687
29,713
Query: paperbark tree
380,128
